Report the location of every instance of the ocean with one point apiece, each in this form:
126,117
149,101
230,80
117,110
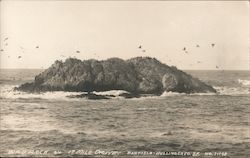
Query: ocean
170,125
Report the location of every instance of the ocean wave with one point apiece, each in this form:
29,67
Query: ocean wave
222,90
112,92
244,82
165,94
225,90
7,91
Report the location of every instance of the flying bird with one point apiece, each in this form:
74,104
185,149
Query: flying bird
186,52
197,45
217,67
143,50
6,39
140,47
19,57
1,50
37,47
184,48
212,44
77,51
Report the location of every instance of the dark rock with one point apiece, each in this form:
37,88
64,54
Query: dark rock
140,75
129,95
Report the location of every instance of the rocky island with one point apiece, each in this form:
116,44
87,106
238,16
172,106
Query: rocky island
137,76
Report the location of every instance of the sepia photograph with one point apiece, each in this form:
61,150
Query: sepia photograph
117,78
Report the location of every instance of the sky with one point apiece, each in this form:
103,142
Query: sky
40,32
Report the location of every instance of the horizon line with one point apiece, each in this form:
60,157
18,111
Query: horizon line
178,68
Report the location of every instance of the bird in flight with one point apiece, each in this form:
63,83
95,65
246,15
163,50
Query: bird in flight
140,47
217,67
197,45
184,48
19,57
37,47
1,50
77,51
212,44
6,39
144,50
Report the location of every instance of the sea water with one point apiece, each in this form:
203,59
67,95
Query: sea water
51,124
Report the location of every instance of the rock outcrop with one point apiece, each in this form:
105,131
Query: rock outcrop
140,75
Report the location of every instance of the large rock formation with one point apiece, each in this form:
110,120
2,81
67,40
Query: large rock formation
140,75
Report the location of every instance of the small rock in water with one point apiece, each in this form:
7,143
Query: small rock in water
89,96
168,133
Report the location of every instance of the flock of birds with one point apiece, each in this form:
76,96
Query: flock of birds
5,43
140,47
212,45
185,51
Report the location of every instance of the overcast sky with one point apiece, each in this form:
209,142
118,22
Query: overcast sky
104,29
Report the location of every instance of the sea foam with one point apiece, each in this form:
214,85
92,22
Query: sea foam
244,82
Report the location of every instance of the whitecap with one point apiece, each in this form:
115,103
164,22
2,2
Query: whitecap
224,90
170,93
111,92
244,82
7,91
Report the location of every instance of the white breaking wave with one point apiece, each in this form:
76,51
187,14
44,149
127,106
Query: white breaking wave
224,90
7,91
112,92
165,94
244,82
